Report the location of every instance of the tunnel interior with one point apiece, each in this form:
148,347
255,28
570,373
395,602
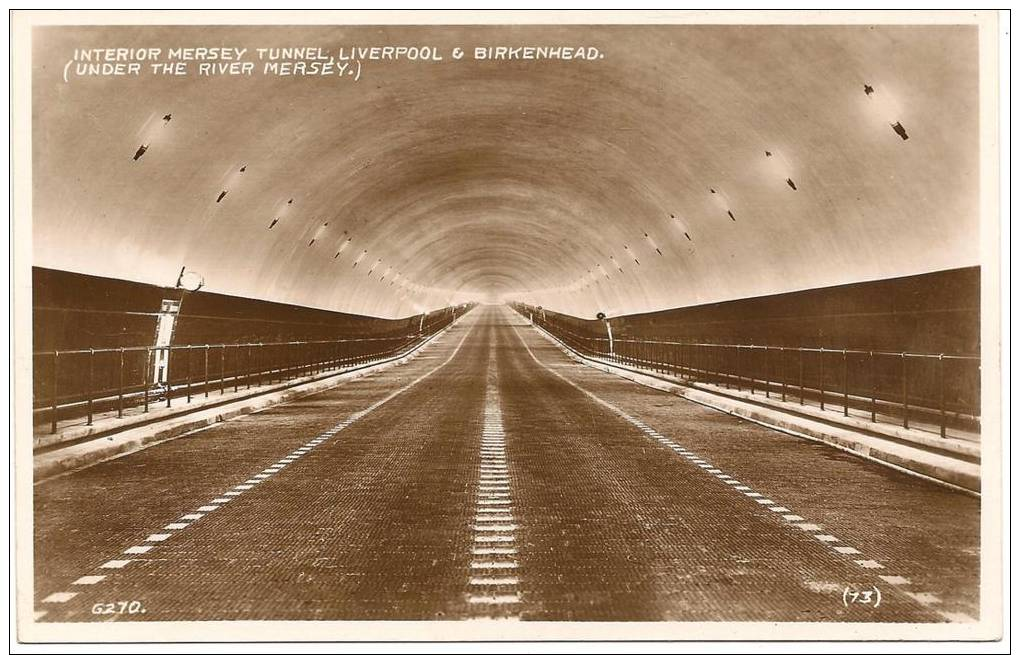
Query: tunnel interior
684,165
685,327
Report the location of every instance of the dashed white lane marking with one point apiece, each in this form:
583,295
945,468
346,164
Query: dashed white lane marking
494,527
137,550
494,551
493,565
256,479
60,597
833,542
495,582
495,600
88,579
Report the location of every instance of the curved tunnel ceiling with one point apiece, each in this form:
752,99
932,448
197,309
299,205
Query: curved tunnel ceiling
635,182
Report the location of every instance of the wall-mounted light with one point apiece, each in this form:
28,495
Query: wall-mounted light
234,177
150,131
280,214
683,227
780,167
360,257
886,108
722,202
343,246
189,280
318,233
651,242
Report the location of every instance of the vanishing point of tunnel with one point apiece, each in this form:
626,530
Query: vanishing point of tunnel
600,323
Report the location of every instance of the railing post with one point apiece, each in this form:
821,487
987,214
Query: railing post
237,366
874,382
56,370
906,390
205,382
784,367
739,369
846,386
145,381
768,384
258,365
169,388
187,373
800,358
821,378
89,383
120,384
750,368
942,397
223,368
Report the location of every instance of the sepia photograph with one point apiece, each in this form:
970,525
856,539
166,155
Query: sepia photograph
485,326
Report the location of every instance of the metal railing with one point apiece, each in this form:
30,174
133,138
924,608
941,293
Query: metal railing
84,382
889,387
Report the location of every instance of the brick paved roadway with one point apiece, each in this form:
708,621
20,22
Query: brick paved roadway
493,477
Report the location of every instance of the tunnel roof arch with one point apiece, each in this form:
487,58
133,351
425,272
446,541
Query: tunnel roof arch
690,164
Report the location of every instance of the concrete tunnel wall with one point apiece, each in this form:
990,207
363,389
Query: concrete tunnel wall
632,183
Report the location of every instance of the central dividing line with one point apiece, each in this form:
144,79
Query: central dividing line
493,584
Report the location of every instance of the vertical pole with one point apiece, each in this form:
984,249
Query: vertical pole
846,386
120,384
942,397
223,367
53,390
821,377
169,354
783,367
91,380
145,381
237,365
872,382
906,390
768,384
750,368
740,370
187,373
801,374
205,382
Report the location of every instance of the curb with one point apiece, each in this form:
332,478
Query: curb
943,469
109,445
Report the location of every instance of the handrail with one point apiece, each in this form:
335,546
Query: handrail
81,381
907,385
84,351
752,346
